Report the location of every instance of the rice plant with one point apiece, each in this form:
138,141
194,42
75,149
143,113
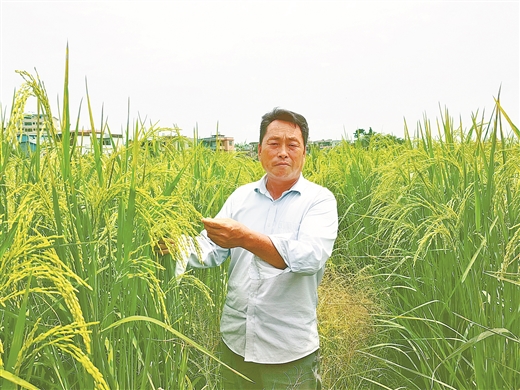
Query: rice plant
437,221
81,288
421,290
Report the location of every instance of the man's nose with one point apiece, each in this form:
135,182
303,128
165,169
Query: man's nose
282,151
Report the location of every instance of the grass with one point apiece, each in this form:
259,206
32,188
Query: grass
346,325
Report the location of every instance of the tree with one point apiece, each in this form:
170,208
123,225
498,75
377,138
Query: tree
372,139
362,137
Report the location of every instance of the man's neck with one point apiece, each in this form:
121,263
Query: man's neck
277,188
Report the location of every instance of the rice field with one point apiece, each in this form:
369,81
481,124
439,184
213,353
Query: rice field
422,290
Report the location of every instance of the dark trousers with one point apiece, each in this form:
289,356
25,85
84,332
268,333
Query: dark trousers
301,374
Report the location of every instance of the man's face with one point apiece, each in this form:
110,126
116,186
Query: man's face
282,152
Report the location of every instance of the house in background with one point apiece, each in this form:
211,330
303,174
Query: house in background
84,140
226,144
34,122
27,142
37,123
323,143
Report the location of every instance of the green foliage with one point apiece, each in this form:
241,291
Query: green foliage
426,261
77,232
436,222
373,140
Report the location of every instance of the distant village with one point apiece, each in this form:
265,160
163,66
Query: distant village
38,123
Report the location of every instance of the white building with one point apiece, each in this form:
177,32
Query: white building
224,143
33,122
104,140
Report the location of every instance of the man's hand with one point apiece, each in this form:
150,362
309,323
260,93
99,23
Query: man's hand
228,233
161,247
225,232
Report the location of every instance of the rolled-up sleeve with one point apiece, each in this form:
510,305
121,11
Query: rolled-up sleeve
307,252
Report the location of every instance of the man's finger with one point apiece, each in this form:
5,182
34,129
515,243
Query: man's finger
211,222
161,247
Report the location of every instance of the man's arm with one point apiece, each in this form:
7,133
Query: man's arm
228,233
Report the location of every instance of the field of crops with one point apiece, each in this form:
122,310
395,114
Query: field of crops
422,290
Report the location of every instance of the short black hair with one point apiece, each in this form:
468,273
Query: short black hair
286,116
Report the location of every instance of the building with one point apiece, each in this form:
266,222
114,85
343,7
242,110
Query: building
31,124
84,140
27,142
226,144
34,122
323,143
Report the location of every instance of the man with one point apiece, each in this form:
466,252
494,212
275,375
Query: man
278,233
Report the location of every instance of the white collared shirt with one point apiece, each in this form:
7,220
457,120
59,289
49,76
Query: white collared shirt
270,314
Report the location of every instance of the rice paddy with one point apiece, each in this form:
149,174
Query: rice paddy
422,289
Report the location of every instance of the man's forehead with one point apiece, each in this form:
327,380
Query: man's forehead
283,130
279,137
278,123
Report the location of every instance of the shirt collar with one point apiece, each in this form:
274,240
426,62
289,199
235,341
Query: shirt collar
298,187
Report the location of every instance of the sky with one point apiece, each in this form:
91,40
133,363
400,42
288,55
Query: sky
220,65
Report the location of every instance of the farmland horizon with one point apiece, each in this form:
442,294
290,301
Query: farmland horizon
251,136
344,66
